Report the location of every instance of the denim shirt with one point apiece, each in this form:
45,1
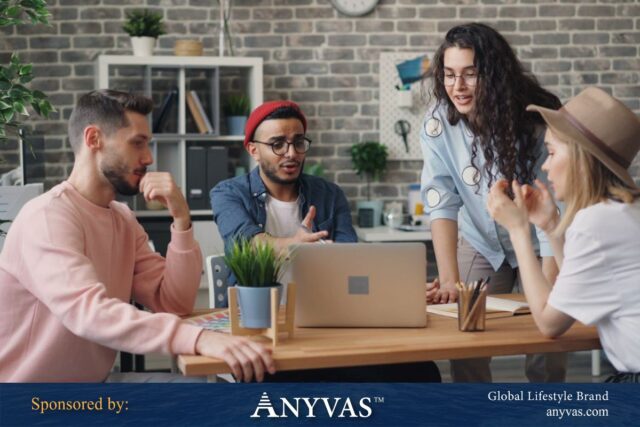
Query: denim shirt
239,207
448,188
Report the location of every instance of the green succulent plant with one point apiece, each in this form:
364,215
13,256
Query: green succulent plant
255,263
144,23
237,105
15,97
369,159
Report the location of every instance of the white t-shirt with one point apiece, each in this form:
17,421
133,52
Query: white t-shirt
599,282
283,220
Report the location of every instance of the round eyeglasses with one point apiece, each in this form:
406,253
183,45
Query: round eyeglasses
280,147
470,78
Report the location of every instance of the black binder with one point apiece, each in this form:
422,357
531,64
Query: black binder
206,166
197,195
217,166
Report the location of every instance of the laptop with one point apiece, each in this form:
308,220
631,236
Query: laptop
360,285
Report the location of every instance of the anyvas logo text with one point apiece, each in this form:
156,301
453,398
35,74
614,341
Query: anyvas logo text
309,407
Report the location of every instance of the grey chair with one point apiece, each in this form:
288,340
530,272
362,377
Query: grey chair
217,274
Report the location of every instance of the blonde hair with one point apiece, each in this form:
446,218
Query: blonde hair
592,182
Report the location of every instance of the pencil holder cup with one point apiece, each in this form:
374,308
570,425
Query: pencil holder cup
472,310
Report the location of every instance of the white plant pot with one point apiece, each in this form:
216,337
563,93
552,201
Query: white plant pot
143,46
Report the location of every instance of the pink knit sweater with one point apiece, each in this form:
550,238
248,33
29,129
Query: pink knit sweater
67,272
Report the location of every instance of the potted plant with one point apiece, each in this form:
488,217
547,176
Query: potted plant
369,159
144,27
257,267
15,97
314,169
237,108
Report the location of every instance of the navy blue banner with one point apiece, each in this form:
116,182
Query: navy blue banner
320,404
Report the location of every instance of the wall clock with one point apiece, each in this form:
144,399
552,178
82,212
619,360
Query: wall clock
354,7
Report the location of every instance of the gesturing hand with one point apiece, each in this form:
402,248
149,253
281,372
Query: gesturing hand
541,207
304,234
511,214
160,186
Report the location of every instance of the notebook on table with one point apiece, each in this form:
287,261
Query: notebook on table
496,307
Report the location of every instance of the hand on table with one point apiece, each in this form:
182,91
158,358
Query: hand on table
247,359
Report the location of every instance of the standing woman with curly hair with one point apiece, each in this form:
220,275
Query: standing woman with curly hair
476,132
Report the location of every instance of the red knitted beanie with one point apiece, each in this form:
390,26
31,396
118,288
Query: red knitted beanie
258,115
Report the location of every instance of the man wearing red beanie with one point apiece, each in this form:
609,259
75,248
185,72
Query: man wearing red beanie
278,203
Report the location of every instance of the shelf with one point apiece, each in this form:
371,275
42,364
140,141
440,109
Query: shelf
160,213
161,137
171,82
169,61
164,213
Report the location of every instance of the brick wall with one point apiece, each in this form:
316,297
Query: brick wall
329,63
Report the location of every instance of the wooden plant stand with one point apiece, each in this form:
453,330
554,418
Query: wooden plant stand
276,327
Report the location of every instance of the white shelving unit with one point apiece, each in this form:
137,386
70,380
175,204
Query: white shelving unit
155,74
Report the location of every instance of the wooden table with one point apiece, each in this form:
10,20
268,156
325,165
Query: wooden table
338,347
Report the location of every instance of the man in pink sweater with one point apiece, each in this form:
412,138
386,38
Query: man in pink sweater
74,257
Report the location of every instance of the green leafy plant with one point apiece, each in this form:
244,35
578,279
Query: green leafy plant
314,169
144,23
15,97
255,263
369,159
237,105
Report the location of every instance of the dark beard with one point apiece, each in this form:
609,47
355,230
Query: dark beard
271,173
115,175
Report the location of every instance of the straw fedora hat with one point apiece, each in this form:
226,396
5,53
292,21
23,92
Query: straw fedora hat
602,125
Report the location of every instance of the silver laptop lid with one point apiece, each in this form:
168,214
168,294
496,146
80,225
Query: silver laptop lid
360,285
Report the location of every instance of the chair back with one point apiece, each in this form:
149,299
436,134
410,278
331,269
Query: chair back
217,274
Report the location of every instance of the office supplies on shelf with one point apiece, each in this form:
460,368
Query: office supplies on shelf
197,111
413,70
402,128
165,109
197,192
206,166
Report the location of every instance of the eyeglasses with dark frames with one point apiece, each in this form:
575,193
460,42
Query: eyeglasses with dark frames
470,78
280,147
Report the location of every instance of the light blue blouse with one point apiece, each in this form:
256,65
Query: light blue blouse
449,190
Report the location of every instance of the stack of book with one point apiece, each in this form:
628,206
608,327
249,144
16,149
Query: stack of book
197,111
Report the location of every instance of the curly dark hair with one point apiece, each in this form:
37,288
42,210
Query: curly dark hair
502,128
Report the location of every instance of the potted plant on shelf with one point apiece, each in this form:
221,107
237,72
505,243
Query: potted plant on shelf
144,27
257,267
237,108
369,159
15,97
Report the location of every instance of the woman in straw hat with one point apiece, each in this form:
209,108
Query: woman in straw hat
592,141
